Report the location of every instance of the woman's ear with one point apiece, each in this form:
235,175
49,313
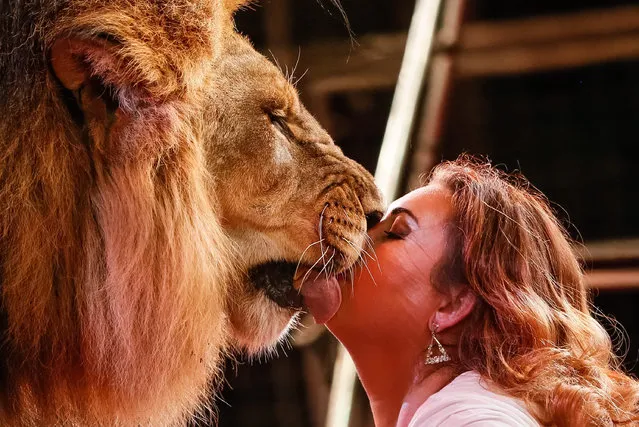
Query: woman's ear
455,306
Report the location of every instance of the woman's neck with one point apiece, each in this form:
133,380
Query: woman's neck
386,381
397,382
437,378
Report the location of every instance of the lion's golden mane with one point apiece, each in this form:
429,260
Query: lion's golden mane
77,221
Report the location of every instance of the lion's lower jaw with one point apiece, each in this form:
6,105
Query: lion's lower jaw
260,325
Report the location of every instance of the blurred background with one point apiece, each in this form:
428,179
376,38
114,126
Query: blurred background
546,87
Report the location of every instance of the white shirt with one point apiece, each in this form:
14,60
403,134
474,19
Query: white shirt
468,402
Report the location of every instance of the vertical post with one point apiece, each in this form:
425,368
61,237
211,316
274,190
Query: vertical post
389,169
341,398
440,82
278,32
410,81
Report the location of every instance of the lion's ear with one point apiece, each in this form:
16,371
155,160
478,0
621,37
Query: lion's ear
74,60
78,62
112,86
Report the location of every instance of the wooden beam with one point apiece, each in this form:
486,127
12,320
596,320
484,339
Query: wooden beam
609,250
548,29
278,31
335,67
545,57
435,105
613,279
482,49
430,127
622,250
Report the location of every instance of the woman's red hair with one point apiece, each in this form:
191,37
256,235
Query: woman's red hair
532,332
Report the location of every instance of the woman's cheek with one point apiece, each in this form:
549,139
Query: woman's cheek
394,268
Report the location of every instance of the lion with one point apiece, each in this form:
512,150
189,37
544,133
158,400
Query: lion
160,186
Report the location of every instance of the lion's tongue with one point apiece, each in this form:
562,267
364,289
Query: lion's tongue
323,298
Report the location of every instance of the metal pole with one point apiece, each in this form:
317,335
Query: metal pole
389,169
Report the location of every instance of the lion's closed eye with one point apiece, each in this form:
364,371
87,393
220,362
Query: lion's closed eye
280,123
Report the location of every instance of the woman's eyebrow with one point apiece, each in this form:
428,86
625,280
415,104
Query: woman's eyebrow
400,209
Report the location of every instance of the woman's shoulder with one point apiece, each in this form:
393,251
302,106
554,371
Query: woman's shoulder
469,401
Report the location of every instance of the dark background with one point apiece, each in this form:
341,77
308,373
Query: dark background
572,131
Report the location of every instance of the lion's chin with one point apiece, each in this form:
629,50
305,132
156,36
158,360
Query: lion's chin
258,325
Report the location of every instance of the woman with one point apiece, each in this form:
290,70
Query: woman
475,313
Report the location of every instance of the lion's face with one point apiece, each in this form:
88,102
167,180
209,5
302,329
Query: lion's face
285,195
289,198
147,152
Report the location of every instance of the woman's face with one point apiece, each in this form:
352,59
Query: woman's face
392,296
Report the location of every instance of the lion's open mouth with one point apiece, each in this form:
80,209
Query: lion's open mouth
275,279
319,292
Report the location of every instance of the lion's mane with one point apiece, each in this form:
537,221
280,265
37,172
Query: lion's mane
112,261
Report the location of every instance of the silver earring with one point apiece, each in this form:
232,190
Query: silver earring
431,358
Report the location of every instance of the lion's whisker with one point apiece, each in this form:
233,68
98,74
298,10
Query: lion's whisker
370,274
350,272
361,271
324,269
360,250
359,256
350,243
329,264
320,223
302,256
369,241
365,235
346,213
332,266
299,79
311,269
367,254
299,54
277,63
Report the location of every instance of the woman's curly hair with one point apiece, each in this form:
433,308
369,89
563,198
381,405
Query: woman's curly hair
532,332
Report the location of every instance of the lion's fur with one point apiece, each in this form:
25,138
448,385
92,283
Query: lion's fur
77,225
115,268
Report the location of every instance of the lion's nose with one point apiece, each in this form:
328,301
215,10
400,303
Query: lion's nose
373,218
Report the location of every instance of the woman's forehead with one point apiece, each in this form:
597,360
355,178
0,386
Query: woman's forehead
426,201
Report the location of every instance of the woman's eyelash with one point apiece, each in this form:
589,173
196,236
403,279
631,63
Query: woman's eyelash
392,235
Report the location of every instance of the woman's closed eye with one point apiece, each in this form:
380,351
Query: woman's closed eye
392,235
399,229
